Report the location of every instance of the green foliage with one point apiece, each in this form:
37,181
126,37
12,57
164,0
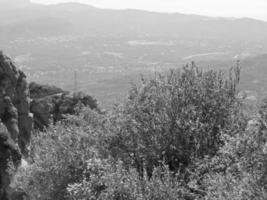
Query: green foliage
183,135
175,118
60,156
107,181
85,100
243,159
38,91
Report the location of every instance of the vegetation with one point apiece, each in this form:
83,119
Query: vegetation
184,135
175,118
38,90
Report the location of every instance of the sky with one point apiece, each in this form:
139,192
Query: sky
218,8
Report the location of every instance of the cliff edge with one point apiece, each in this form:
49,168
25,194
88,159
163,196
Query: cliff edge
16,121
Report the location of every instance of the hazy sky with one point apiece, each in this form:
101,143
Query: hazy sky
225,8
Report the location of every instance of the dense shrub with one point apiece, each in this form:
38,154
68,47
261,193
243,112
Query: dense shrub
39,91
69,163
106,181
60,157
244,160
175,118
183,135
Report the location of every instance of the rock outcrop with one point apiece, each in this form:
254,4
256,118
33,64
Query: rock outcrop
15,103
50,104
15,119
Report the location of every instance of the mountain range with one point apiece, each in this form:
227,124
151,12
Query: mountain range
75,18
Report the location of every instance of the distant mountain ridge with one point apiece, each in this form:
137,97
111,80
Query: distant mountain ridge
14,3
81,18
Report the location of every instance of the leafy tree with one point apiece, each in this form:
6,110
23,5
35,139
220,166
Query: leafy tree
243,159
175,118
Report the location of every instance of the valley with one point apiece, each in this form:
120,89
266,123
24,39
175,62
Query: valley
51,42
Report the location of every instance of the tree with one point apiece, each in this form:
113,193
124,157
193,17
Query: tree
174,118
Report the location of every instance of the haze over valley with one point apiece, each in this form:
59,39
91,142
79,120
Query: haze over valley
111,48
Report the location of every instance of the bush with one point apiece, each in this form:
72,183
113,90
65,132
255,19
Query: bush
39,91
183,135
245,159
60,157
176,118
109,181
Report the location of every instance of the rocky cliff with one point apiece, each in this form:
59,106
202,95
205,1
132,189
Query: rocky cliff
15,120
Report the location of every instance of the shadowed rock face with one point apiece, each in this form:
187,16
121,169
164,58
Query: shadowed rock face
9,152
16,121
15,103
